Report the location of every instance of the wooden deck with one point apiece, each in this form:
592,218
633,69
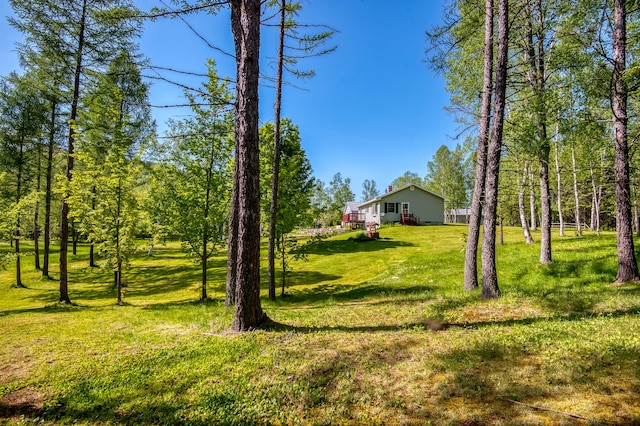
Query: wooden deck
409,219
353,218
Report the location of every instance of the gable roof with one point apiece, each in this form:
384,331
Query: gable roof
352,206
382,197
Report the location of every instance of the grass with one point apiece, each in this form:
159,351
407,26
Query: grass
351,343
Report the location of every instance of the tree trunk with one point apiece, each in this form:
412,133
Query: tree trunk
490,287
64,218
232,247
284,264
627,265
559,179
475,217
75,236
595,204
532,203
92,258
203,295
36,226
537,82
17,230
575,191
273,210
523,216
636,214
119,281
245,24
18,269
47,195
545,204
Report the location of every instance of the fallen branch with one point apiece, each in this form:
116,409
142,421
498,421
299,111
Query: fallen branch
574,416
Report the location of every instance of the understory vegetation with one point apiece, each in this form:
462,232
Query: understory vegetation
375,332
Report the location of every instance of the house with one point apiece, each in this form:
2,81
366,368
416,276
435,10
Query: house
409,205
351,216
458,215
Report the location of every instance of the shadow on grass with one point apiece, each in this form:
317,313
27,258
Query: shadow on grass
304,278
357,292
354,246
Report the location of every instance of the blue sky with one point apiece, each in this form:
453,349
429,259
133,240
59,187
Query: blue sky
374,109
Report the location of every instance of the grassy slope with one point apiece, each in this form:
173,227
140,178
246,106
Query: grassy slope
348,344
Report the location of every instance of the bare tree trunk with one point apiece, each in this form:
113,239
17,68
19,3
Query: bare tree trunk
245,24
627,264
276,160
575,191
523,217
475,217
490,287
559,179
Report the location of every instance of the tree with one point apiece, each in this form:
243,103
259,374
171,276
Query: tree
340,194
199,174
320,209
308,45
408,178
447,176
490,287
22,115
111,132
369,190
457,49
627,264
295,187
537,18
245,227
82,34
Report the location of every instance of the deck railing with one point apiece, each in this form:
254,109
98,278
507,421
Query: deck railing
353,217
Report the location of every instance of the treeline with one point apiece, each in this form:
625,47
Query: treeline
566,148
81,159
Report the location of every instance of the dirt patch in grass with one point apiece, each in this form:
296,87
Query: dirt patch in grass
20,402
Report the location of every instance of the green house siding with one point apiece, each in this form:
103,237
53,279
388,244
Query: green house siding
428,207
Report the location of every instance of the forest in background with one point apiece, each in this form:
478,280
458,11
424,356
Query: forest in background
81,160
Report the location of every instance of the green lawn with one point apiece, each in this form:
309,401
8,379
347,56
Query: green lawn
351,343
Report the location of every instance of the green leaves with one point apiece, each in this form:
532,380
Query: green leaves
197,172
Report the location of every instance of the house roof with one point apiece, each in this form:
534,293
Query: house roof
352,206
382,197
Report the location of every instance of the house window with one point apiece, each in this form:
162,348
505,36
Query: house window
390,207
375,209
